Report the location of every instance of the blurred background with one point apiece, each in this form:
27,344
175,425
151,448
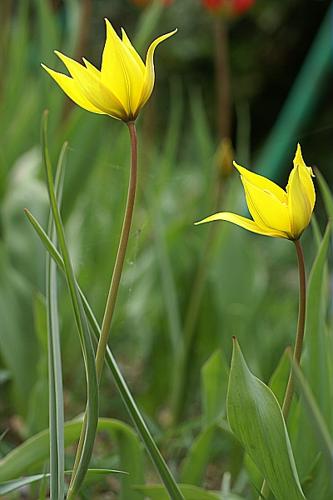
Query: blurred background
240,79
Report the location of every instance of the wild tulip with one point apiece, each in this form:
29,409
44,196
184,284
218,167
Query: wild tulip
276,212
121,87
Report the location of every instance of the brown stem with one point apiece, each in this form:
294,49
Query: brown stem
300,328
119,263
117,271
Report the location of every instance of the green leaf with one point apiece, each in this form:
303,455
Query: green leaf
314,362
158,492
214,377
256,419
56,400
120,382
326,194
15,484
30,455
279,378
86,443
198,456
316,418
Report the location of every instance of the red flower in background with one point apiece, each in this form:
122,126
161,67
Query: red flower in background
229,6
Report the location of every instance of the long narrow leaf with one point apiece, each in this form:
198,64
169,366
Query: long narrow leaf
120,382
56,403
317,421
83,329
15,484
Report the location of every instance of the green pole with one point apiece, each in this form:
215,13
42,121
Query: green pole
300,102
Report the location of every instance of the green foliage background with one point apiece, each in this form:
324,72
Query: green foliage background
251,286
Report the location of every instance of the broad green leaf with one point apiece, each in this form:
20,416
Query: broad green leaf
158,492
256,419
214,379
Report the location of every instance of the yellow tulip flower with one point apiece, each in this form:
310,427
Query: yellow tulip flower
276,212
121,87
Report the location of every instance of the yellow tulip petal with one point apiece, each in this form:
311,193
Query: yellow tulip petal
69,86
306,175
149,78
132,50
92,87
91,68
121,73
262,183
243,222
265,208
300,208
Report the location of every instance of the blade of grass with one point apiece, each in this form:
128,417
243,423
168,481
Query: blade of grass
15,484
120,382
56,402
81,465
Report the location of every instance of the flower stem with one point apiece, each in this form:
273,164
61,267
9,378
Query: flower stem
300,328
118,267
102,347
117,270
288,396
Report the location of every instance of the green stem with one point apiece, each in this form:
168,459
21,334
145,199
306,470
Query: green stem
118,267
288,396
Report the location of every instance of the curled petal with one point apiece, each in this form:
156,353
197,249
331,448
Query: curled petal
149,78
69,86
245,223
